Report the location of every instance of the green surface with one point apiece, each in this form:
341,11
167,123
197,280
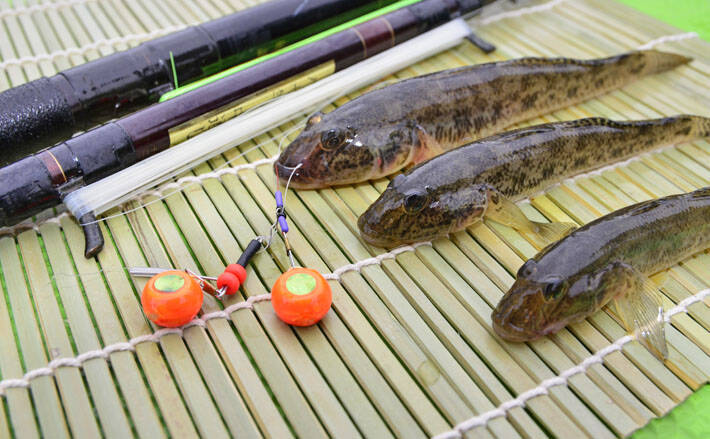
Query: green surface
691,419
690,15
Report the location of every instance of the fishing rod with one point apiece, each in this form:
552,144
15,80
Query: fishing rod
43,180
47,110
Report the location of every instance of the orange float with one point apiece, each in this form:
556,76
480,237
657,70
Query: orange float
301,297
171,298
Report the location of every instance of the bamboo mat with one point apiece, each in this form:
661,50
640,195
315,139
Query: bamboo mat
407,350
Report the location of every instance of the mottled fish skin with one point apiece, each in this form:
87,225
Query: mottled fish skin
576,276
457,188
387,129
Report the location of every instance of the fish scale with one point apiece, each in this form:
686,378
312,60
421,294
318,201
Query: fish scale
387,129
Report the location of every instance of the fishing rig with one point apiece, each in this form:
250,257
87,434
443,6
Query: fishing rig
300,296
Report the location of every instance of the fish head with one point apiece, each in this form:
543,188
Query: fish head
543,301
526,312
420,206
336,149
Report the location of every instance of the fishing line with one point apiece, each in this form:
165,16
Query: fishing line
14,230
163,196
300,296
210,175
190,179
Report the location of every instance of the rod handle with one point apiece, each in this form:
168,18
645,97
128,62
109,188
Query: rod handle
34,115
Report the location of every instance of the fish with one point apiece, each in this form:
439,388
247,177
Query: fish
607,261
484,179
397,126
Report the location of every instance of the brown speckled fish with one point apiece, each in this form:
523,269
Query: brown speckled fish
406,123
482,179
607,259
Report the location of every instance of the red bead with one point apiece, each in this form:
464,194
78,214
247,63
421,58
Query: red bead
230,281
238,271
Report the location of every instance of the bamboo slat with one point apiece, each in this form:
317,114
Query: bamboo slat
408,349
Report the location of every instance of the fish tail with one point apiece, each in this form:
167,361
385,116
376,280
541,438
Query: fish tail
701,126
657,61
685,127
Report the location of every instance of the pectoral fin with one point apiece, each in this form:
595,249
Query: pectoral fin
503,211
640,308
428,145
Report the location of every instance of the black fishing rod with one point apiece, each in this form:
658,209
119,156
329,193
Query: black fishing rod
44,111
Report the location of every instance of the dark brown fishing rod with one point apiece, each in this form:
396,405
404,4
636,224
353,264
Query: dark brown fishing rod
42,180
44,111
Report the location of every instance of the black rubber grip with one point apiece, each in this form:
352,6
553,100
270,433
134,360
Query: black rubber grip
36,182
253,247
33,116
27,189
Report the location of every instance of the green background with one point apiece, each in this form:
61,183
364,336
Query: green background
691,419
689,15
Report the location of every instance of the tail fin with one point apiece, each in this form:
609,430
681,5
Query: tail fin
701,126
678,128
658,62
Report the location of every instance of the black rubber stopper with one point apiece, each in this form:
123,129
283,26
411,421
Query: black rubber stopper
94,239
253,247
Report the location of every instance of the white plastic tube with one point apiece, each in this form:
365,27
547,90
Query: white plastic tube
123,185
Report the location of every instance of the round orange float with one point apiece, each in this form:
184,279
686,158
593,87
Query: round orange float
171,298
301,297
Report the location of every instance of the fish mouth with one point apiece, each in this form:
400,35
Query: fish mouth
517,317
370,235
298,176
510,332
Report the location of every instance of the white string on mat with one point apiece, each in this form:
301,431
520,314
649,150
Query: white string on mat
201,321
668,39
376,260
27,225
83,50
561,380
23,10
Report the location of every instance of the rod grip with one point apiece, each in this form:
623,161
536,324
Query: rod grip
33,116
25,189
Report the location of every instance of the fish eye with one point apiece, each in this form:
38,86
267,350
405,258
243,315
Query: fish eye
331,139
553,289
528,269
396,137
415,201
